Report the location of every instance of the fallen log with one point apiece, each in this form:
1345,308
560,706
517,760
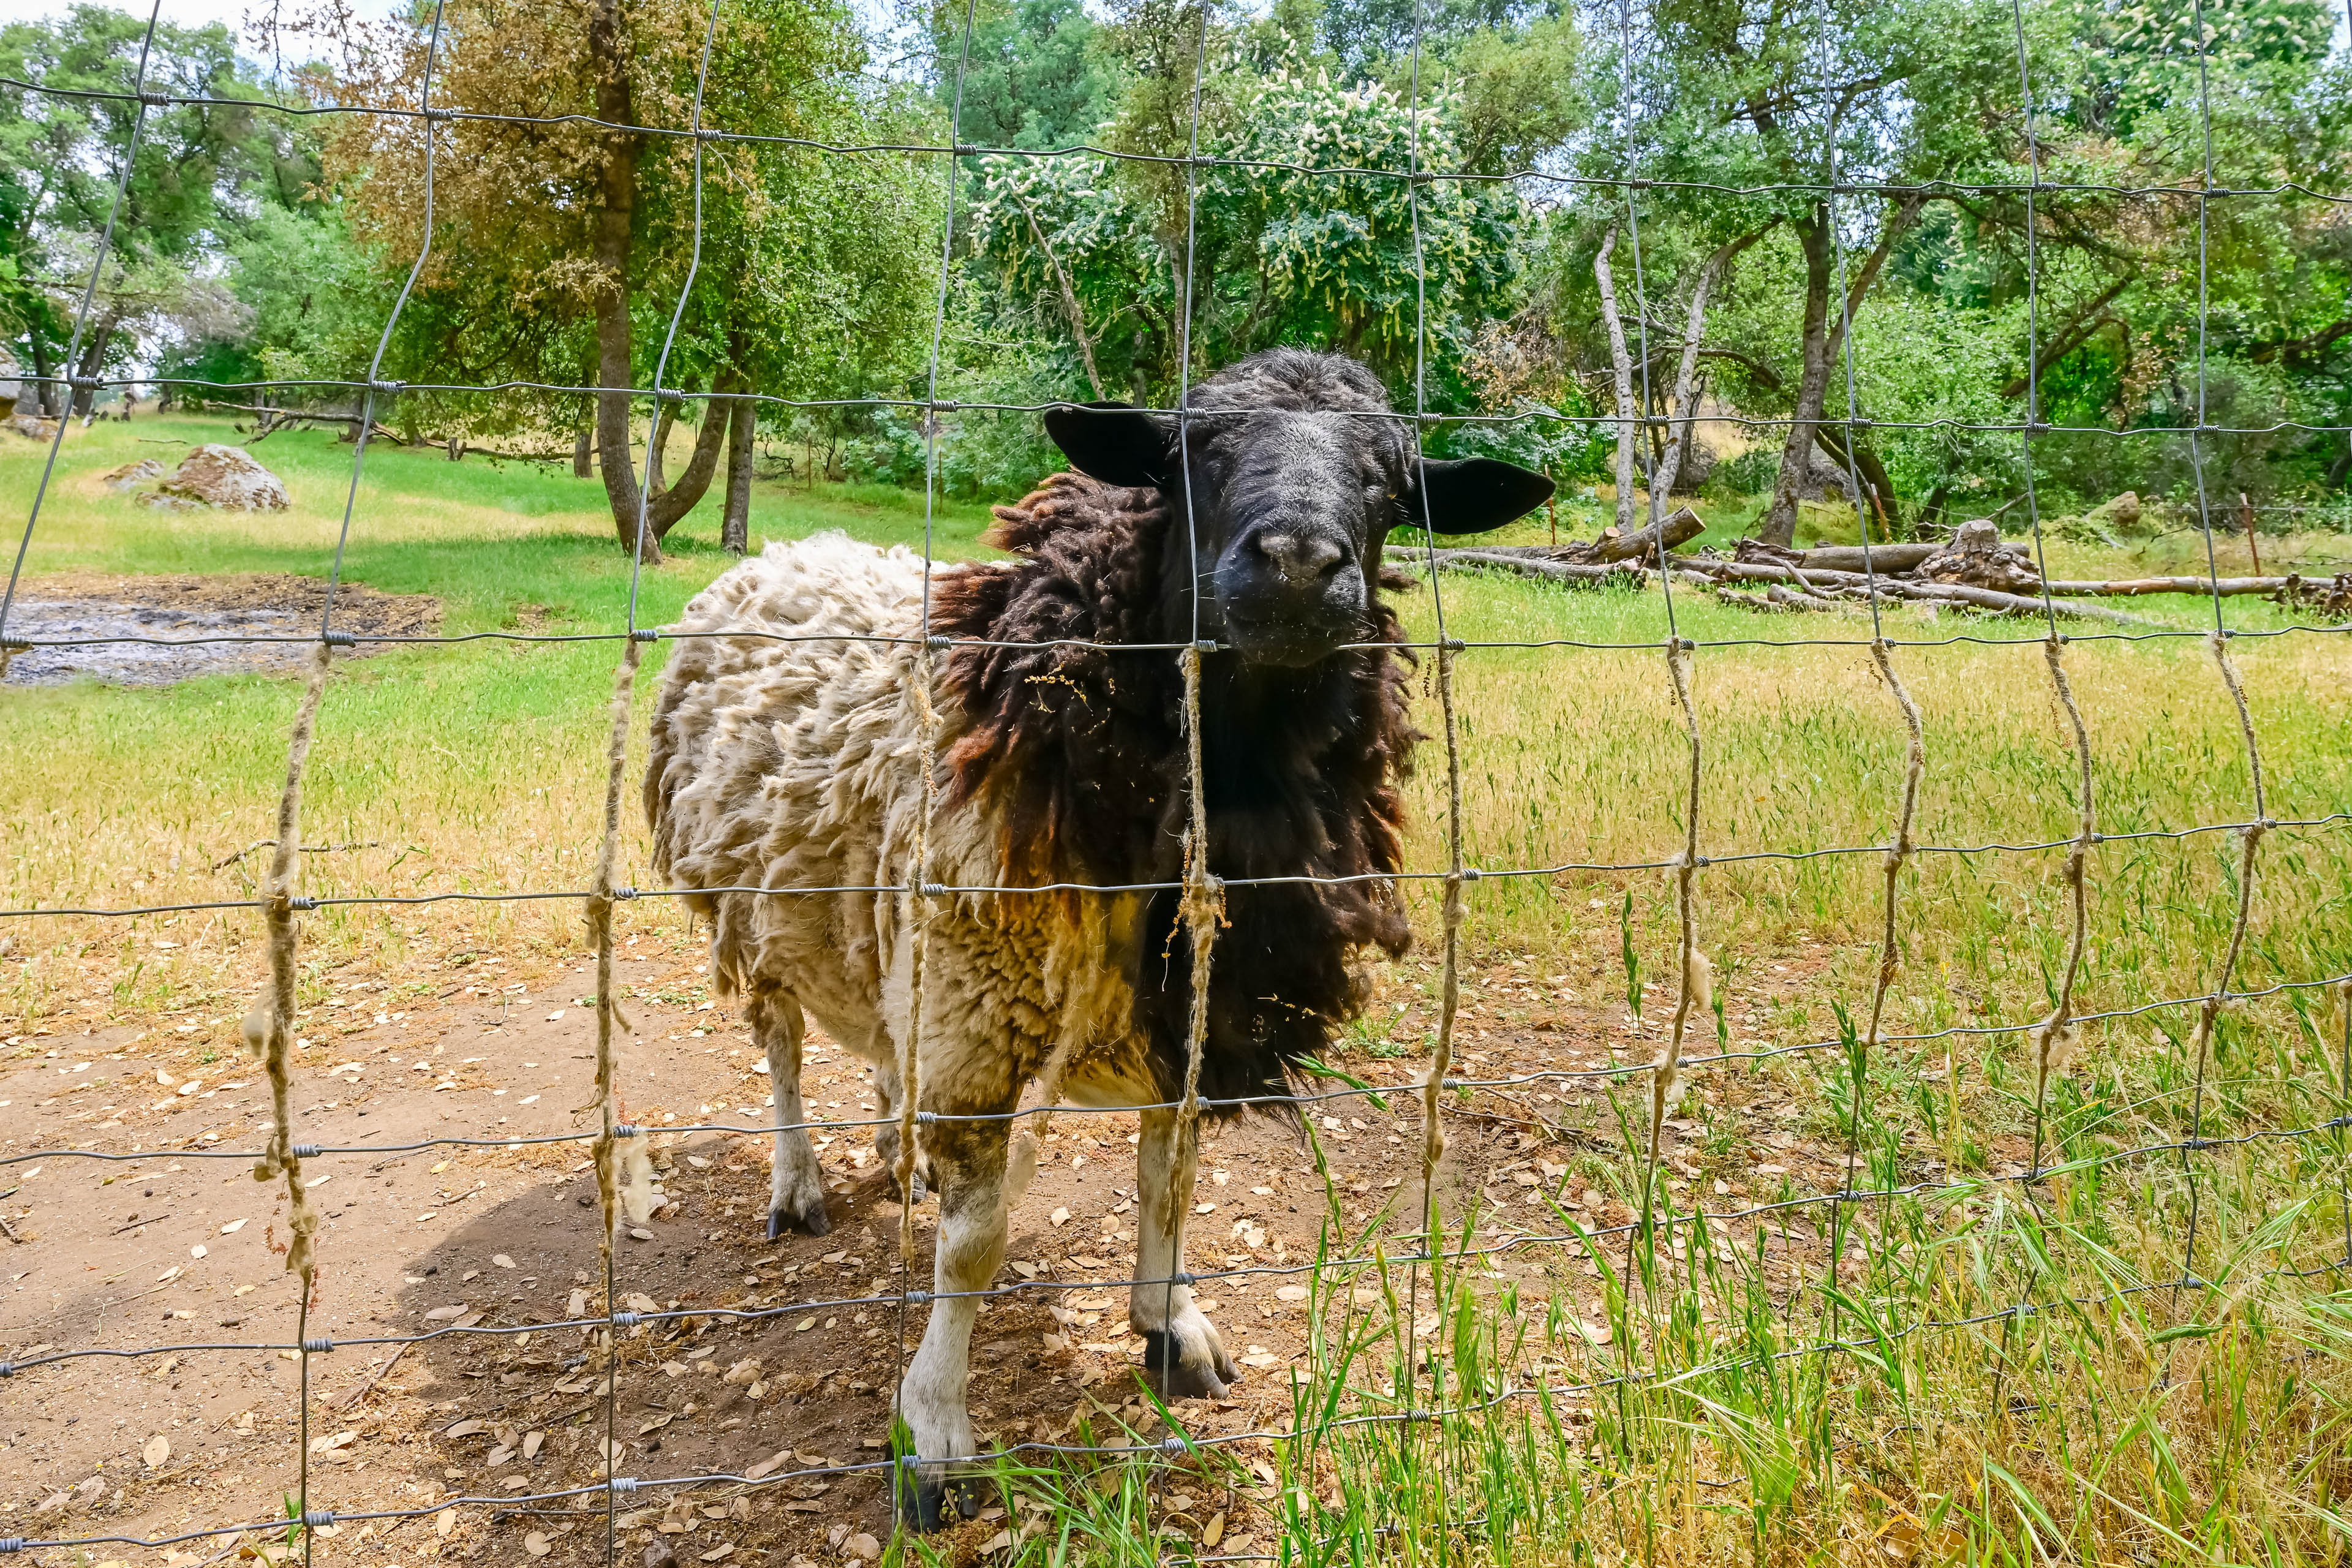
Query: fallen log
1886,560
1680,526
1537,563
2129,587
1818,585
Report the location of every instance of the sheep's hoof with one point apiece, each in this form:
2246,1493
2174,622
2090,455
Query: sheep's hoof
815,1222
930,1499
1187,1373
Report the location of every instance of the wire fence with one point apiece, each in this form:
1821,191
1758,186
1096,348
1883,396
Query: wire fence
1422,1102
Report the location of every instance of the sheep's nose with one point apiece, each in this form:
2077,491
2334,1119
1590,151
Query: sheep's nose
1301,561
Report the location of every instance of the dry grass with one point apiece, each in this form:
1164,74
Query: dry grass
2202,1424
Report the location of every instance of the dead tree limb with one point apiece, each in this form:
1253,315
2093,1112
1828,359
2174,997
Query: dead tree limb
1622,363
1685,406
1070,297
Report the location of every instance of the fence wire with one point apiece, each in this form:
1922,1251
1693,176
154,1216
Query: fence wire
1432,1095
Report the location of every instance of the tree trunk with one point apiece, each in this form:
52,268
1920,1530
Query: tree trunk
611,246
743,423
1622,363
582,465
93,356
45,402
1823,340
1812,380
1876,482
658,449
1685,404
1070,299
667,505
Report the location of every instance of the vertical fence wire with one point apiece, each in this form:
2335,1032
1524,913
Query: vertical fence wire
1202,896
613,1183
2249,836
1862,1047
1458,873
920,898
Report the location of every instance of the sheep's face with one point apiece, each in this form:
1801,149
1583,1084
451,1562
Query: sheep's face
1295,478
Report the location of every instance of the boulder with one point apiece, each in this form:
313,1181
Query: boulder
2109,523
32,426
131,476
224,477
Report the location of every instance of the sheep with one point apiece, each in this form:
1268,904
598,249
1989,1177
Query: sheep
794,761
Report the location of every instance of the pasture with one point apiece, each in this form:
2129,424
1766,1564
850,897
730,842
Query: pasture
1956,1363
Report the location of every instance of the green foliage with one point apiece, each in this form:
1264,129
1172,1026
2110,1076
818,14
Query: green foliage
248,251
201,172
1284,251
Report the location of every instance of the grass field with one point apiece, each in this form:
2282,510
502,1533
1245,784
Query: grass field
2204,1424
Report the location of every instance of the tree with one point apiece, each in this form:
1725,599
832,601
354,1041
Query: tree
199,168
567,245
1092,251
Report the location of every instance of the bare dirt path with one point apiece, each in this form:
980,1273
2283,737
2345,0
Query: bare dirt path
176,1249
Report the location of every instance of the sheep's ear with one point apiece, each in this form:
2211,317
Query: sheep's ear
1471,495
1114,442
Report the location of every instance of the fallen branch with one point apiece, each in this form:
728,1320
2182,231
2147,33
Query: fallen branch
1807,586
1537,564
272,418
351,1400
1856,584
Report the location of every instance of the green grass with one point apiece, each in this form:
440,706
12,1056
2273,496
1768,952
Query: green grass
1691,1414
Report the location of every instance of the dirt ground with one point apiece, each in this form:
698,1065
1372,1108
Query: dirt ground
249,604
175,1249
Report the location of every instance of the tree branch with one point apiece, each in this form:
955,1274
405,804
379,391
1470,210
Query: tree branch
1069,296
2072,336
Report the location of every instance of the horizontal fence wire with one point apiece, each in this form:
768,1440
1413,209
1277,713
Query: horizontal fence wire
1577,1234
1194,160
1442,1093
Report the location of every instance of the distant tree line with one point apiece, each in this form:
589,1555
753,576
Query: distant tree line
1852,223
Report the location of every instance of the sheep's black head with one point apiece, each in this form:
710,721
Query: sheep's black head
1296,471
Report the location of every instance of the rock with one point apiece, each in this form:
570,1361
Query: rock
1977,559
224,477
131,476
32,426
2108,523
1823,478
659,1553
2120,515
1699,461
863,1547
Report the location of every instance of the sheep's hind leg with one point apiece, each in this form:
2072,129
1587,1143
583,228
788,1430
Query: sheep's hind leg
1178,1342
796,1195
886,1136
968,1170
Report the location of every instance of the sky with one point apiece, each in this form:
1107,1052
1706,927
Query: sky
199,13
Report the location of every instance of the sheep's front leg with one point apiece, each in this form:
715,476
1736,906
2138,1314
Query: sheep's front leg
1178,1342
796,1195
968,1172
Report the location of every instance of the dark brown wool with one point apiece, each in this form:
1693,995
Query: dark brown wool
1085,750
